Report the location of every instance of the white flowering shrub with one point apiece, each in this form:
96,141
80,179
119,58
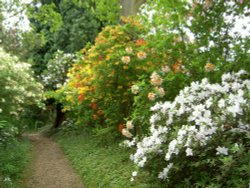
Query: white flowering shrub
7,132
18,90
202,138
56,73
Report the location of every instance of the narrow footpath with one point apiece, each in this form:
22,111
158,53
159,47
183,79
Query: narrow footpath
50,168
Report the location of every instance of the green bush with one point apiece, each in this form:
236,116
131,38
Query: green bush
198,40
7,133
18,91
98,91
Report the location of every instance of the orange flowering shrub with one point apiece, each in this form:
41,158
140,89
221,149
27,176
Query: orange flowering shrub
100,82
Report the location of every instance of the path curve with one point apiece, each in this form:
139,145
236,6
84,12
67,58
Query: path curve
50,168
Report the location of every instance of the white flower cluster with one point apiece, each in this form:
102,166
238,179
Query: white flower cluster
135,89
18,87
193,118
56,74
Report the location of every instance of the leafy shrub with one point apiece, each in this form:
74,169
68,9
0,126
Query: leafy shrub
99,83
54,76
69,127
198,39
18,90
7,133
202,137
205,32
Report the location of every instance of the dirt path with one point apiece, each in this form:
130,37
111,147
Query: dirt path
50,168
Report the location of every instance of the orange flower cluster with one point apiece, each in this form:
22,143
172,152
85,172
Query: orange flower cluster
126,59
121,127
140,42
97,111
209,67
141,55
151,96
177,66
156,80
109,68
80,97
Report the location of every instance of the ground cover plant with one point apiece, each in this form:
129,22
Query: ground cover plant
14,158
100,165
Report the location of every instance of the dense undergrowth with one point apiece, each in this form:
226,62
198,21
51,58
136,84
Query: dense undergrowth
14,158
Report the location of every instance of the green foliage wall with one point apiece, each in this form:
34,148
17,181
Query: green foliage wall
18,91
58,25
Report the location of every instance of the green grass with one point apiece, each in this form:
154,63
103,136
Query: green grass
100,165
13,160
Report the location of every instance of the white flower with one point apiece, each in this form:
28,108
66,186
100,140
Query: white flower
142,162
226,77
165,69
134,173
209,102
164,173
125,59
7,179
14,113
156,107
195,108
200,136
58,85
129,49
221,150
126,133
1,110
129,125
221,103
129,143
189,152
172,145
241,72
135,89
161,91
154,118
235,109
156,80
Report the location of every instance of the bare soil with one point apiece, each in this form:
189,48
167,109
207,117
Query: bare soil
50,168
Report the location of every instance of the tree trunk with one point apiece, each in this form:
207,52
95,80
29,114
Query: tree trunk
130,7
59,116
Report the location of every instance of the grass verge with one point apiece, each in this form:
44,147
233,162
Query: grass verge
100,165
13,160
